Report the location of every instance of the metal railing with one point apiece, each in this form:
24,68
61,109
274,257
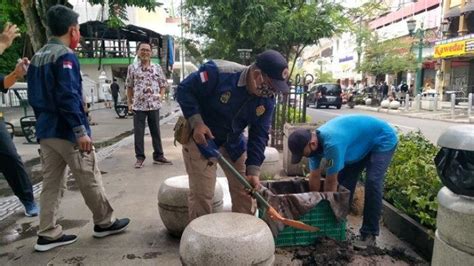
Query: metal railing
290,108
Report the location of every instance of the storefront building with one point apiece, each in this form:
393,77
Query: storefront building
455,53
393,26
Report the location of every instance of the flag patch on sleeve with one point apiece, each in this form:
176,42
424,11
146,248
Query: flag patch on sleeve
204,77
67,64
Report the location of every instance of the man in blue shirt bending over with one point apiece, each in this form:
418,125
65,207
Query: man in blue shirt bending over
349,144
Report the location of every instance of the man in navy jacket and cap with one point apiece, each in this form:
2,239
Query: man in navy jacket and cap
219,101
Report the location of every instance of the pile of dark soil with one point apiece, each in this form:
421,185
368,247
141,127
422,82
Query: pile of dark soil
327,251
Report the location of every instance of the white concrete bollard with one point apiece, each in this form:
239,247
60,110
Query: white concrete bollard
271,164
453,104
469,105
173,203
435,102
227,239
418,102
385,104
407,102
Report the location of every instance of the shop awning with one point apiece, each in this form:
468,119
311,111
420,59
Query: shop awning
100,30
453,12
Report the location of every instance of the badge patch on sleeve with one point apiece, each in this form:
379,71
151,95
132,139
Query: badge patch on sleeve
260,110
225,97
67,64
204,76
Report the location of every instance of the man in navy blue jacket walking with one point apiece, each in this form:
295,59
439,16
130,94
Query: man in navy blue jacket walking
55,93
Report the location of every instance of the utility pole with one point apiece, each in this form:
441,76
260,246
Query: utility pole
182,42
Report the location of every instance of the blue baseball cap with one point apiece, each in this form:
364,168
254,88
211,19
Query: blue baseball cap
275,66
297,141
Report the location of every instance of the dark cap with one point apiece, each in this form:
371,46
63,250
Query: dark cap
297,141
274,65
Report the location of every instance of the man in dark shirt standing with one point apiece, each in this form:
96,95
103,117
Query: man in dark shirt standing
115,88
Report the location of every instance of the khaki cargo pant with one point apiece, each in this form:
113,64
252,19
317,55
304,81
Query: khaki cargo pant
202,181
56,154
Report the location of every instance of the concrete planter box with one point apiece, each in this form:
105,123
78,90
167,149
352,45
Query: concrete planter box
408,230
428,104
294,169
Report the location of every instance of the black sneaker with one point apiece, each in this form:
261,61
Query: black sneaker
162,160
43,244
118,226
364,241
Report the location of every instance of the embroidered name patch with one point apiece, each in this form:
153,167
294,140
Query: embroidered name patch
225,97
260,110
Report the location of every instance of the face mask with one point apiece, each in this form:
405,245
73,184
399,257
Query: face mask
75,40
314,152
265,91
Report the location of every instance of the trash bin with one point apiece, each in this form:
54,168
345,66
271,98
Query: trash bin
455,161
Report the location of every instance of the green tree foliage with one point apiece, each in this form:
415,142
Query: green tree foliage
11,12
361,16
411,183
287,26
35,11
387,57
323,77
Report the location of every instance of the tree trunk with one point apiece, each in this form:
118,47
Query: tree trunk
36,30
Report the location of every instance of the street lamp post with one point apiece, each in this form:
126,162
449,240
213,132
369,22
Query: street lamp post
420,34
244,54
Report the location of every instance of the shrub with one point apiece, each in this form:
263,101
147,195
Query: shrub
412,183
292,116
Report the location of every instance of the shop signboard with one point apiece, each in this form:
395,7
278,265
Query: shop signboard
453,49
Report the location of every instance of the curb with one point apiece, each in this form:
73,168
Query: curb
402,113
408,230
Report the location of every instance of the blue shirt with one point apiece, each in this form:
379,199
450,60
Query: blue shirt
348,139
217,94
55,93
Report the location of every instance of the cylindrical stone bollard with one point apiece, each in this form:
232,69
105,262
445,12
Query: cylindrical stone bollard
368,101
271,164
394,105
173,203
227,239
385,104
454,241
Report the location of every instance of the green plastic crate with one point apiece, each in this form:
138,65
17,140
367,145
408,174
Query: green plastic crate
321,216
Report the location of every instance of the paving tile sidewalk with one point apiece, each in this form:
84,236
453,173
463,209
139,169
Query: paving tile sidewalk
460,116
109,129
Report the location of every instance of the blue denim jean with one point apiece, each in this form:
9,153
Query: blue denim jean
12,167
376,165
